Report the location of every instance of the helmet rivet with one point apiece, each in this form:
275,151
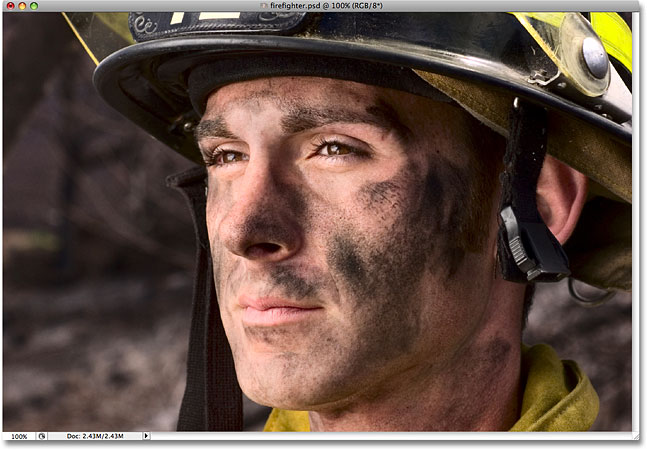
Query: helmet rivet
561,85
540,74
595,57
188,127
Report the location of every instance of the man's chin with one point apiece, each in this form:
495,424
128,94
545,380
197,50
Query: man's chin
279,384
281,397
276,347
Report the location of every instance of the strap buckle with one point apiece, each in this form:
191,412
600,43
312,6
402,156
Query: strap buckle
535,250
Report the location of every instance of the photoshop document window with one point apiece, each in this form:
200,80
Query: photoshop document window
397,220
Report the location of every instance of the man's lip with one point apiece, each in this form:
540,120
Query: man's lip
272,311
265,303
273,317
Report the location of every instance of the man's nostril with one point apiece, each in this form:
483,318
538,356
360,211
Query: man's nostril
261,250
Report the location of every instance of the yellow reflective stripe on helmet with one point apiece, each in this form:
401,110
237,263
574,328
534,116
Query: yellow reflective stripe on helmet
614,34
78,36
555,18
118,22
609,26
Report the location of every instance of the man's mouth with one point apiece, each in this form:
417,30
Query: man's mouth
271,311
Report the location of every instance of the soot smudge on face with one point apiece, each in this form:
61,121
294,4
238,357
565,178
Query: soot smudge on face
270,336
382,272
444,202
425,229
295,200
268,222
449,219
381,283
291,284
380,196
437,213
262,228
463,199
347,260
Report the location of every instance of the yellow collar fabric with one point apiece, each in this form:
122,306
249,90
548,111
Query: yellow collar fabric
557,396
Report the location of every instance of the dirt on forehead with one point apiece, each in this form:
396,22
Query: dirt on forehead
288,92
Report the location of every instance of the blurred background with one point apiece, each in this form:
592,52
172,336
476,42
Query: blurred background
98,258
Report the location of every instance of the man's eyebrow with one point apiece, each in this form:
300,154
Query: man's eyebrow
301,118
215,127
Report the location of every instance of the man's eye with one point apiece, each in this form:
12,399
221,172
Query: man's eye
223,157
335,149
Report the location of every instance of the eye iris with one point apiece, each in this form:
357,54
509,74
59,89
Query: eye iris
336,149
230,157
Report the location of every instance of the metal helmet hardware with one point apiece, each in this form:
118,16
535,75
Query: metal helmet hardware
589,301
595,57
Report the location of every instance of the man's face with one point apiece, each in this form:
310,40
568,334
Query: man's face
351,235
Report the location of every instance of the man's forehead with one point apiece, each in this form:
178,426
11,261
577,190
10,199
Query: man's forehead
286,93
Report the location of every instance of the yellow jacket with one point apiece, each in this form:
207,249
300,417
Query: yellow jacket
557,396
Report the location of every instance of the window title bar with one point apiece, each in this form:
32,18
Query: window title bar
315,6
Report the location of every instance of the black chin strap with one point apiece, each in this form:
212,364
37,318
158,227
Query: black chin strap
212,399
527,250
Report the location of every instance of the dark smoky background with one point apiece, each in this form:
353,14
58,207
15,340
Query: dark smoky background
98,258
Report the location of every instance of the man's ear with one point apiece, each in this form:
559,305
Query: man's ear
561,194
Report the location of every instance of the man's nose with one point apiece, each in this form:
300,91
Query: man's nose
261,224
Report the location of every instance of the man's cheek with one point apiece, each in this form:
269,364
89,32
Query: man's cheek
382,197
216,260
229,275
217,208
379,257
226,273
413,221
449,211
